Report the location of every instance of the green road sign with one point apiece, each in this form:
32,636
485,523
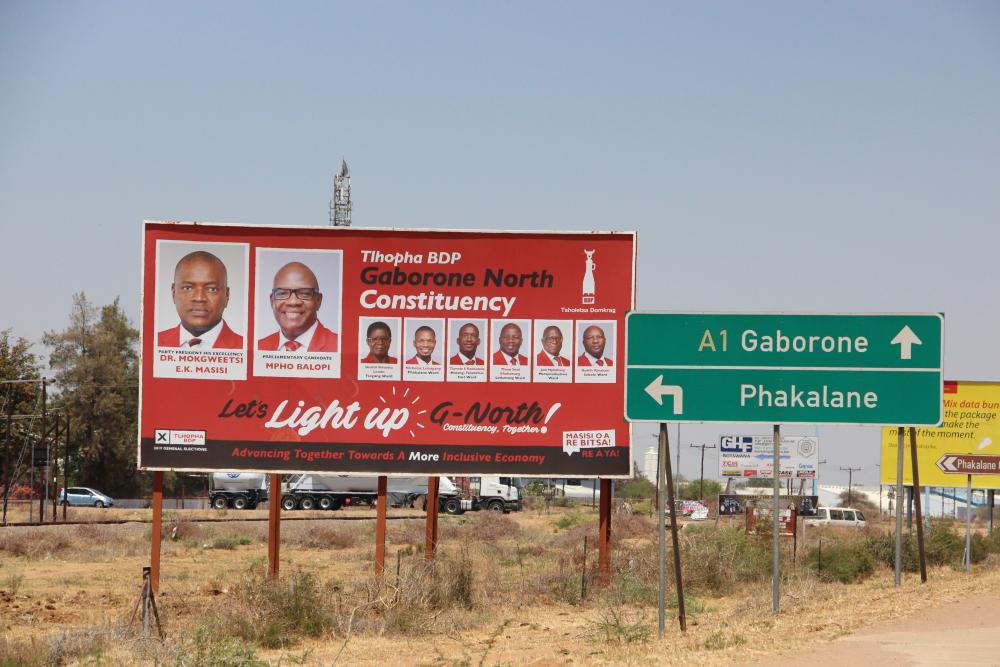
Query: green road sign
784,368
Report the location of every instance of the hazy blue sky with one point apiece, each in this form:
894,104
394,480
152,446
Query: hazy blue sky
772,155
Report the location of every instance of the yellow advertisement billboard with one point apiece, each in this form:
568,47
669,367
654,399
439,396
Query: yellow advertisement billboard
971,426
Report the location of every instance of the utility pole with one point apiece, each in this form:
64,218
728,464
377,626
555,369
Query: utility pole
701,484
850,476
677,476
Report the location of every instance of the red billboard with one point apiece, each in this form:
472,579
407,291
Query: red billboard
349,350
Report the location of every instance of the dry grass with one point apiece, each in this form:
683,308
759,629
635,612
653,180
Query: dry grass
505,589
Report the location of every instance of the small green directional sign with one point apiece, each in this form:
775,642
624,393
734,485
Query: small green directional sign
784,368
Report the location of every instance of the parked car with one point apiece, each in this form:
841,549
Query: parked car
84,496
837,516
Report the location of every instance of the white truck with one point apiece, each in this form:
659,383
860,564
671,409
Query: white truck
238,490
331,492
497,494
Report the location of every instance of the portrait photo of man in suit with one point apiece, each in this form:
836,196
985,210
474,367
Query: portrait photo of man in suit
552,342
468,344
509,341
378,336
295,300
594,342
424,342
200,293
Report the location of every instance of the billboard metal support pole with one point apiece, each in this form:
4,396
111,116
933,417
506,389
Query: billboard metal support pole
604,536
154,553
968,525
381,503
274,526
431,531
916,504
669,483
899,507
775,529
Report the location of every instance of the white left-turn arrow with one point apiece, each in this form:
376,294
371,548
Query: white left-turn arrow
658,390
906,339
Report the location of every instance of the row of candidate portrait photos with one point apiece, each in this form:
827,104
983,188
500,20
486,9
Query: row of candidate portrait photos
201,312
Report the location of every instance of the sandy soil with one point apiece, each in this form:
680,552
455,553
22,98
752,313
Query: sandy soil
94,579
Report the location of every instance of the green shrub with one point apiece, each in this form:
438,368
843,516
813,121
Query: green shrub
570,520
943,546
273,613
714,559
846,562
882,548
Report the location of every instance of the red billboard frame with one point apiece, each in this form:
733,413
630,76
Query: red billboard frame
350,350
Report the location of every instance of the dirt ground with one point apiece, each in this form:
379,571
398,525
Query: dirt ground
57,579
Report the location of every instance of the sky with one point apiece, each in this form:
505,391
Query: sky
772,156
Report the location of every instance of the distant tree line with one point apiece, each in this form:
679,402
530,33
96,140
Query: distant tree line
92,368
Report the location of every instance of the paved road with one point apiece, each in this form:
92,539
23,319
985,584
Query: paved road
961,634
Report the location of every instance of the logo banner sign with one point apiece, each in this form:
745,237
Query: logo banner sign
732,504
753,456
348,350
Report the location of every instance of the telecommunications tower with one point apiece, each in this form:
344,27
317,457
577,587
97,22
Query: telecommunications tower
340,205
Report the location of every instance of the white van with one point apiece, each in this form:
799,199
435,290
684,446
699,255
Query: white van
837,516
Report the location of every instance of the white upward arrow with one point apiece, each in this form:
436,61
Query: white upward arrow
658,390
906,339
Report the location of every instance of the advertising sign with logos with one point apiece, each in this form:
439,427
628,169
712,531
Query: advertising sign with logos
971,428
753,456
349,350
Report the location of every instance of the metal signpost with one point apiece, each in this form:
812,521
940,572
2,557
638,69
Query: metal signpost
783,368
968,465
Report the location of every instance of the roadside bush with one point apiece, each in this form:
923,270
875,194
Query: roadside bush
274,613
846,562
882,548
36,543
570,520
715,559
480,526
943,546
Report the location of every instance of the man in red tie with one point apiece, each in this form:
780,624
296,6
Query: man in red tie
593,348
510,346
468,343
424,342
552,340
296,300
200,292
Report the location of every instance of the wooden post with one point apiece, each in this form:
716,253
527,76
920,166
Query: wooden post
154,555
668,482
916,500
66,470
604,536
431,531
43,473
383,483
274,526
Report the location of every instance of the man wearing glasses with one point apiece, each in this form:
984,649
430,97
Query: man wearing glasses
200,292
295,300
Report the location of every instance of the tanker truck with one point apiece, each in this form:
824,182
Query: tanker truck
331,492
238,490
497,494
